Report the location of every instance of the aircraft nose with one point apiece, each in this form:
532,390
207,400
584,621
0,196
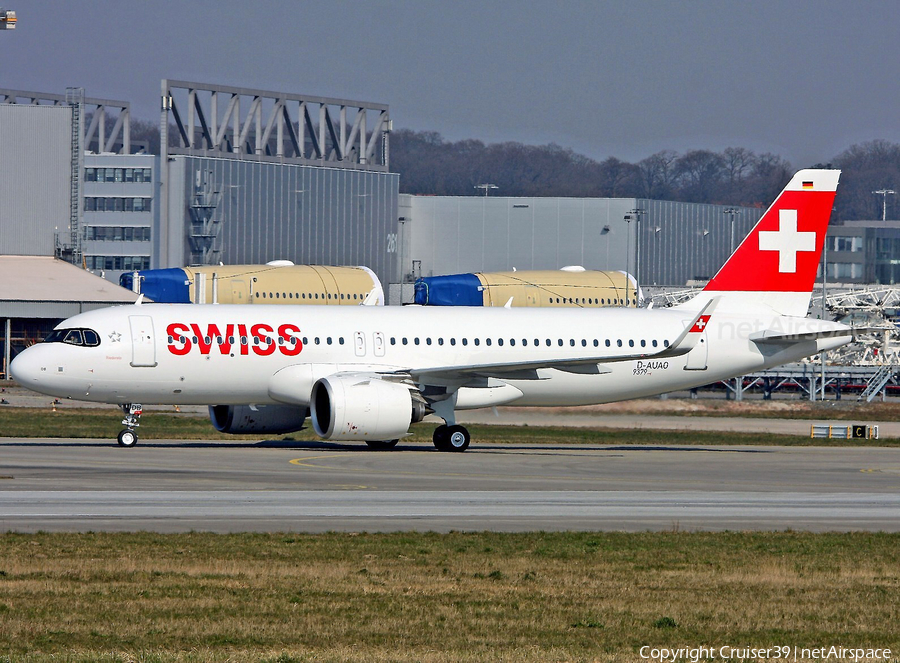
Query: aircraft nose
29,368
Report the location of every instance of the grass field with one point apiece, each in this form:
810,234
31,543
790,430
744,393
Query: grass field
439,597
105,423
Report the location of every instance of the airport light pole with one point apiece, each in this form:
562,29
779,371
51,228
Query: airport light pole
824,297
486,187
732,212
884,193
635,215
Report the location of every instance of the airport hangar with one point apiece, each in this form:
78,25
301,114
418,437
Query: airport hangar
248,176
251,176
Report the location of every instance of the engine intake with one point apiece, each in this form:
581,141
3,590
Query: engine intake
362,408
235,419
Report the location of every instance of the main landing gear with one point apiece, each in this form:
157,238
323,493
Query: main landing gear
127,437
451,438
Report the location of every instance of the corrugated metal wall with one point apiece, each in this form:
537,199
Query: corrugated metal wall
688,241
452,235
35,177
320,216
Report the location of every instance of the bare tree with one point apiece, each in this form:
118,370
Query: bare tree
736,176
657,174
867,167
698,173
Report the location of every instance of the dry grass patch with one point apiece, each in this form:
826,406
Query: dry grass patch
431,597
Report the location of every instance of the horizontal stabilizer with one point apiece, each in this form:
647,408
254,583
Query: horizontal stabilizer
769,336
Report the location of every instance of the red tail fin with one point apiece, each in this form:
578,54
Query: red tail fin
782,251
781,254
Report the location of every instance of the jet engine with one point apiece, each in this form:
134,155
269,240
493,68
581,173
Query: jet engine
363,408
235,419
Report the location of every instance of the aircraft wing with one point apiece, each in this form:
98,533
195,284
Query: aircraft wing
590,365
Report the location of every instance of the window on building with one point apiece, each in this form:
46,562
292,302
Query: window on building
122,263
117,204
117,233
845,270
854,244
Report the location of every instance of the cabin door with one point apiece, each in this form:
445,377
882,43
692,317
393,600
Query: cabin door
238,288
143,344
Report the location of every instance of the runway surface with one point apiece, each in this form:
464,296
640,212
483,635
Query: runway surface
79,485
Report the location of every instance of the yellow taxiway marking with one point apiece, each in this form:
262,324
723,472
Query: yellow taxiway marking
305,462
299,461
882,470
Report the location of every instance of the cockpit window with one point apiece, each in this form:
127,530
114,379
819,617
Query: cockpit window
56,336
85,337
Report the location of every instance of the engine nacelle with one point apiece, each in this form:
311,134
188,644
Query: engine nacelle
363,408
235,419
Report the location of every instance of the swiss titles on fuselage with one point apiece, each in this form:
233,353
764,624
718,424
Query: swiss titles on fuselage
260,339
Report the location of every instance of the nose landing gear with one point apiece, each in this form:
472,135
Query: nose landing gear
127,437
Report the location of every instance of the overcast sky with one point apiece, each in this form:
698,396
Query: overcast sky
804,80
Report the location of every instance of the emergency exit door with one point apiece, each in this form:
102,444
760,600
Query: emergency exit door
697,358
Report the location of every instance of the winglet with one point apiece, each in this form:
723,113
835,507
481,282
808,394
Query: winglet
372,299
140,300
692,332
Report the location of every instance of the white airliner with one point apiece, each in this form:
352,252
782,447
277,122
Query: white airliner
368,373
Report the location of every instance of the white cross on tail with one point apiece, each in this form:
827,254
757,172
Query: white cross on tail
787,241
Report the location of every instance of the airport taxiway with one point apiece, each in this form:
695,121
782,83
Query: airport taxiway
79,485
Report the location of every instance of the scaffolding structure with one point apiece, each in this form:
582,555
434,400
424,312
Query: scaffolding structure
869,365
241,123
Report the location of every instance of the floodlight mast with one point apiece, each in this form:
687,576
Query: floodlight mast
732,212
884,193
486,187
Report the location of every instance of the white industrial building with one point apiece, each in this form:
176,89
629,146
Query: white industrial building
659,242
